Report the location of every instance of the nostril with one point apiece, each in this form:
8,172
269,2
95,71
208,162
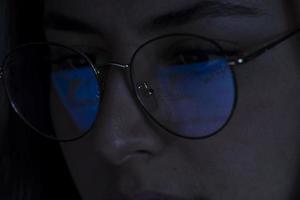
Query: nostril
142,152
137,155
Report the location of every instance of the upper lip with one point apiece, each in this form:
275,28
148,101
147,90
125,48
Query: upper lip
150,195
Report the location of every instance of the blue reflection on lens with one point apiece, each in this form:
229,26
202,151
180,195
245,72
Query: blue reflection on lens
200,96
79,92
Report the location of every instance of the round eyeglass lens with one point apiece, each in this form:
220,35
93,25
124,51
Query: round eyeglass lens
185,84
53,87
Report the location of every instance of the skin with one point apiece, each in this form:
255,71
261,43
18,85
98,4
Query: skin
256,156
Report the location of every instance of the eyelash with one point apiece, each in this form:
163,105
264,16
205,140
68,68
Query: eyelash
189,56
175,53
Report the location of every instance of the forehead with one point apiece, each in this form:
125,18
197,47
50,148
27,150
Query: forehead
109,14
115,7
112,10
114,17
130,18
136,7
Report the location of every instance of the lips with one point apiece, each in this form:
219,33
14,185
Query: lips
151,196
148,195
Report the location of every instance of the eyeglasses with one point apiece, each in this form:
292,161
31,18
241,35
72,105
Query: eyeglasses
182,82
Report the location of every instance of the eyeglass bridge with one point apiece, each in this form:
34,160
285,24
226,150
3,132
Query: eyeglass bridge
116,65
144,87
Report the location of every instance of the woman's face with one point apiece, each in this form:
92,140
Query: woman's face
256,156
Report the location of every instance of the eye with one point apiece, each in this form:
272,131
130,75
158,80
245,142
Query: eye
72,60
96,55
187,57
190,57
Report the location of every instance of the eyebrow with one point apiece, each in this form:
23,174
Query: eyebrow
200,10
58,21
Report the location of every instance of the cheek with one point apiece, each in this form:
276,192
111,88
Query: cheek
268,96
239,164
261,139
62,122
90,172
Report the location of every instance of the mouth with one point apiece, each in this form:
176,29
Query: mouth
150,196
147,195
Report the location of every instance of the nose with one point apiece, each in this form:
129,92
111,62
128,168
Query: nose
122,132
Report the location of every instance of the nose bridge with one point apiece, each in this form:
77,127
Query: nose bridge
121,130
124,44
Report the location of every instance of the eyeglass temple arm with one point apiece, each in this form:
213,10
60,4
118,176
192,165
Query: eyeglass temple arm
245,57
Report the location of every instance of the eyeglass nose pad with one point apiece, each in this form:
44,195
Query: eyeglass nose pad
147,95
145,89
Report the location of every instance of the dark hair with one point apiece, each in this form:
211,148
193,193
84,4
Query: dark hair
31,166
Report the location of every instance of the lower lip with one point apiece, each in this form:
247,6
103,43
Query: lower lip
151,196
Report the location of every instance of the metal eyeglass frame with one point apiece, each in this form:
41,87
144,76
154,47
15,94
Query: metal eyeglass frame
234,60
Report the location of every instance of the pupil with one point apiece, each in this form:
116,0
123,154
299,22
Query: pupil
189,59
